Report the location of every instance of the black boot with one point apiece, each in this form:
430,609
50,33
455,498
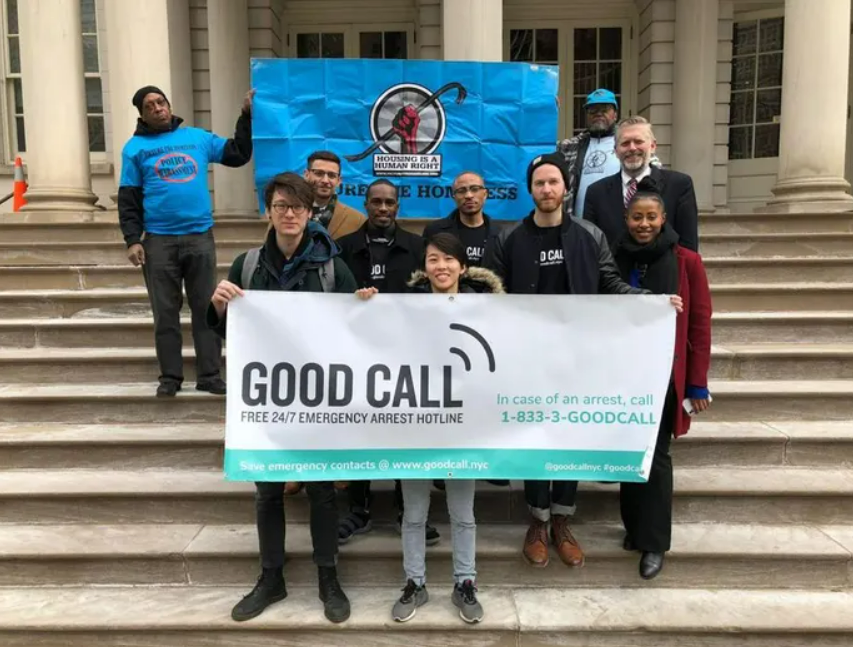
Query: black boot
270,588
335,602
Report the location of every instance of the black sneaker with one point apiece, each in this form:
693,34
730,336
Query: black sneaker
355,523
335,602
465,599
414,596
270,588
432,535
168,389
215,386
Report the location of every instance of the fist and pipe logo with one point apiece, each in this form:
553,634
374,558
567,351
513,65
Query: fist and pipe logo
407,124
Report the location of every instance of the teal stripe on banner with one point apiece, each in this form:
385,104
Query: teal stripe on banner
364,464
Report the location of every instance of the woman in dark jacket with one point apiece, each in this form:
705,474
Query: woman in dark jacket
445,272
648,256
297,256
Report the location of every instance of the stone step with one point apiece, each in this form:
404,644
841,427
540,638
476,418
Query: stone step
110,365
734,270
770,297
768,223
776,244
821,327
734,401
702,556
129,302
761,495
199,446
112,252
195,616
825,327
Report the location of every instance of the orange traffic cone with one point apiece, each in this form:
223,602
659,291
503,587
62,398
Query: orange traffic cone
19,186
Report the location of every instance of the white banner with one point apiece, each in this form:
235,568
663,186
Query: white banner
328,387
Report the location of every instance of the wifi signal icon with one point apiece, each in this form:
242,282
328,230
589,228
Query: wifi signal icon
461,353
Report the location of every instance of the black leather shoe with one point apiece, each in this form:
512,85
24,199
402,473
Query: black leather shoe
628,545
168,389
215,386
650,565
335,602
270,588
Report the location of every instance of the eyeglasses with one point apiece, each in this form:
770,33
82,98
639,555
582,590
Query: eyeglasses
281,208
320,174
464,190
598,109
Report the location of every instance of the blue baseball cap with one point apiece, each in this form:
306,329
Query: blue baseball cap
601,96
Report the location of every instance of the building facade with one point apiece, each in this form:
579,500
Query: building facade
715,77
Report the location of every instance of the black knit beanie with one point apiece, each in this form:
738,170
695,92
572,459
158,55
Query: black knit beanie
555,159
141,93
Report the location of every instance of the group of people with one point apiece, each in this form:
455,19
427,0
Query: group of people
607,220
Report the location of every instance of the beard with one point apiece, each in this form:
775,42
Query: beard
548,205
637,163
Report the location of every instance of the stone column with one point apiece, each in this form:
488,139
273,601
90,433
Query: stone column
694,95
55,104
148,43
228,48
473,30
811,148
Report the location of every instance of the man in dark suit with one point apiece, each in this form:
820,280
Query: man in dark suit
606,199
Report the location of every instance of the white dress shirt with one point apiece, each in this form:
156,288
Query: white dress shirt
627,178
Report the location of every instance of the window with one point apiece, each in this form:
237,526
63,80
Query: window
14,85
597,64
383,44
756,102
352,41
590,56
91,72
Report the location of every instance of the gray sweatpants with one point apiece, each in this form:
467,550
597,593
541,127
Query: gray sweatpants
463,528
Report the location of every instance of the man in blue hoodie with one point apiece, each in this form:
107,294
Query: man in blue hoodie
166,219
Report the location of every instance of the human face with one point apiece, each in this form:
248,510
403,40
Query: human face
156,111
644,220
600,117
548,188
325,177
443,270
288,216
469,193
382,206
635,147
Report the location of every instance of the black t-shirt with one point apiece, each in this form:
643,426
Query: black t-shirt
553,278
474,240
378,244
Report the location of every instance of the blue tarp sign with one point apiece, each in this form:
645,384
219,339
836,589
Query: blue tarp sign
417,123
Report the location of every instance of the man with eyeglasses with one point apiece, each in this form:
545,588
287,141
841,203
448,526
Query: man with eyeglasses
381,255
324,174
591,154
468,222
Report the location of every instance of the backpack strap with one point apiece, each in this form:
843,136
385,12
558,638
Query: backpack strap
327,275
250,264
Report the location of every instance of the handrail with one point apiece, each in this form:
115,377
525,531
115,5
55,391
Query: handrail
7,197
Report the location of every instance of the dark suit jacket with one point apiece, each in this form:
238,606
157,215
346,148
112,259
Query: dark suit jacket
604,206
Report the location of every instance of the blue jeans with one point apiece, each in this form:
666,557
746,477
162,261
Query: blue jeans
463,528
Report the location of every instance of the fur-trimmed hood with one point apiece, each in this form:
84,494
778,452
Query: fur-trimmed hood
476,279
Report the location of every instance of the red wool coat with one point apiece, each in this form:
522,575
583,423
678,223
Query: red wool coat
692,332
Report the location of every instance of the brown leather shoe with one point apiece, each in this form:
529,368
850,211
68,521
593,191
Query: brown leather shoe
567,546
536,544
292,488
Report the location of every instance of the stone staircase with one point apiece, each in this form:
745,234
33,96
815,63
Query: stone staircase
117,527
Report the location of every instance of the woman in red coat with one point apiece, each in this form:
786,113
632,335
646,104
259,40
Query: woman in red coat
649,256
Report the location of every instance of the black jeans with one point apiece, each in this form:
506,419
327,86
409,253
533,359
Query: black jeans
647,507
170,262
547,497
360,497
269,500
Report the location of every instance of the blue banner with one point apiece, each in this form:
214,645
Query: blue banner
416,123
